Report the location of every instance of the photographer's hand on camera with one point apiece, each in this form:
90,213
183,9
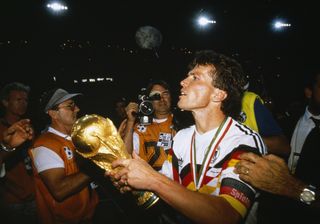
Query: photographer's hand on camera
132,110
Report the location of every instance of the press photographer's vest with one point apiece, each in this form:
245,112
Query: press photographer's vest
154,142
74,209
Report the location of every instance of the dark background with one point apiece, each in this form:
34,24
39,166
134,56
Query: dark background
97,39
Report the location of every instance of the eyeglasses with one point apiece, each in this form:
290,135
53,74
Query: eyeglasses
72,106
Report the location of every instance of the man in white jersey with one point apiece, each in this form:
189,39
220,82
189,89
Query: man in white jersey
197,179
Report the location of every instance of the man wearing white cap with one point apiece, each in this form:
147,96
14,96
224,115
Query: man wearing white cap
63,193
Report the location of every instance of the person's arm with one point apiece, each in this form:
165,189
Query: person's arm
127,126
278,145
270,173
271,133
51,170
62,186
201,208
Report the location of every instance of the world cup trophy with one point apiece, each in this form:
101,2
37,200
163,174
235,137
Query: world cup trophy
97,139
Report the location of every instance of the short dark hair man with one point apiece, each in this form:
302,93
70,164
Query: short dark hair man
198,179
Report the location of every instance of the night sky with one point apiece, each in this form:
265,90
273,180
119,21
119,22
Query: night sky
97,38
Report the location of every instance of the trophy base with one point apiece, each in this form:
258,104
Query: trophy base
146,199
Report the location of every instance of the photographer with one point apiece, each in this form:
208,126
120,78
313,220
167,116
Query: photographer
150,141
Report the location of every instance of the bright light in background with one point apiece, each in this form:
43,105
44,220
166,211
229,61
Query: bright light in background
93,80
280,25
57,7
204,21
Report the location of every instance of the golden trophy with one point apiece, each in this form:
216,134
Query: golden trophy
97,139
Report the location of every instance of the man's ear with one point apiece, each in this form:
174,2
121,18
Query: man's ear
308,93
219,95
52,113
5,103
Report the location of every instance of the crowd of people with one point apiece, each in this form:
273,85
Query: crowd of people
230,162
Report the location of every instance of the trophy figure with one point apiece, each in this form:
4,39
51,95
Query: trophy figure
97,139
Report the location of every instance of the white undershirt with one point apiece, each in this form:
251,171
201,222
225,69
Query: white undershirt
45,158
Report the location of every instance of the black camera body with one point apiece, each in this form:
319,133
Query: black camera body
145,107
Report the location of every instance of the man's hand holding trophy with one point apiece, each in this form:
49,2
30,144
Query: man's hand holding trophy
97,139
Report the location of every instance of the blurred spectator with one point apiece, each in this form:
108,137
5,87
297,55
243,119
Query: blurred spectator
257,116
306,123
17,187
298,191
119,111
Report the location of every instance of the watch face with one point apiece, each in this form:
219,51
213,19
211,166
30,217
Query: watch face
307,196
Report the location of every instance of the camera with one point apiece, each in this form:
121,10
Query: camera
145,108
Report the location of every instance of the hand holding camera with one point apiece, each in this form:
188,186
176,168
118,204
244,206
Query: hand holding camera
145,107
132,110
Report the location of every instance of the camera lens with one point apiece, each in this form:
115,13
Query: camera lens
146,107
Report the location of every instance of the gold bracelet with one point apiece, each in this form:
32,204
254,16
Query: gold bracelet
5,148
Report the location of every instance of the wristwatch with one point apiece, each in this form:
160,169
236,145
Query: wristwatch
5,148
308,195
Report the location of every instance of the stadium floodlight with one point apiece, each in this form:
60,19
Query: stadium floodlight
204,21
280,25
57,7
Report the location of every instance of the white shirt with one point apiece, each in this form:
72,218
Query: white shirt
45,158
301,131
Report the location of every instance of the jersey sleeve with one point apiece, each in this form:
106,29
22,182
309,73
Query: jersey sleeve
239,194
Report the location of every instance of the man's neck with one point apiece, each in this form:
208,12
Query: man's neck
206,121
63,129
161,116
